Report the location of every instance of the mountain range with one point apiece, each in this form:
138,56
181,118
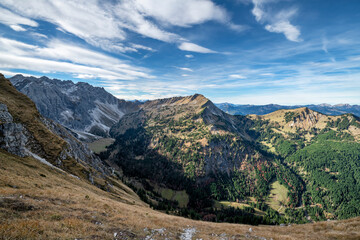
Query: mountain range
86,110
238,109
180,156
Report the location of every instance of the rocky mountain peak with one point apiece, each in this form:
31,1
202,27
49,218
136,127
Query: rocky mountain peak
89,111
196,100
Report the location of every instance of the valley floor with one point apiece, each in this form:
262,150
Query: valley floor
40,202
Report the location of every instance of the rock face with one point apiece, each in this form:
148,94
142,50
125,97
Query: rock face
89,111
24,132
306,119
12,137
15,139
75,148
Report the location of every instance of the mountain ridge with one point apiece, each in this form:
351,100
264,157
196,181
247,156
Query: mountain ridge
89,111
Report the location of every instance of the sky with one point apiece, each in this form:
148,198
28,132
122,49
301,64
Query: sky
239,51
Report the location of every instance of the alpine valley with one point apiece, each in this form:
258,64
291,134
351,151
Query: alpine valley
78,163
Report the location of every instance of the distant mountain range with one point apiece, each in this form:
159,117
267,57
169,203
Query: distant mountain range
238,109
88,111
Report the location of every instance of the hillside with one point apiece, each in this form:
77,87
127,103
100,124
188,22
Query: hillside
187,143
40,202
238,109
319,149
89,111
310,122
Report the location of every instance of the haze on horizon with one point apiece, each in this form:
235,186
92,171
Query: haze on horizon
287,52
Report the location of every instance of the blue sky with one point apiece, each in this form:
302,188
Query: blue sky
238,51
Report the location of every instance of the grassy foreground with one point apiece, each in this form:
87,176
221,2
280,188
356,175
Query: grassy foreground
40,202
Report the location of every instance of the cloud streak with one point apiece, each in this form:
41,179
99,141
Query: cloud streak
58,56
191,47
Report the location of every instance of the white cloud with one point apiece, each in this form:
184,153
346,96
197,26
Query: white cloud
13,20
191,47
185,69
39,35
85,76
267,74
291,32
189,56
138,46
183,13
17,28
278,22
237,76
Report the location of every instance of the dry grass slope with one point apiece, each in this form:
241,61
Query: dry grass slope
39,202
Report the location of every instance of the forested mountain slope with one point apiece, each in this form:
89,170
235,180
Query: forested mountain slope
324,151
187,143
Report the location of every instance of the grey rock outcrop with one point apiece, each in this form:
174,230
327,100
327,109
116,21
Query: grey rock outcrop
76,149
15,139
12,137
5,116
